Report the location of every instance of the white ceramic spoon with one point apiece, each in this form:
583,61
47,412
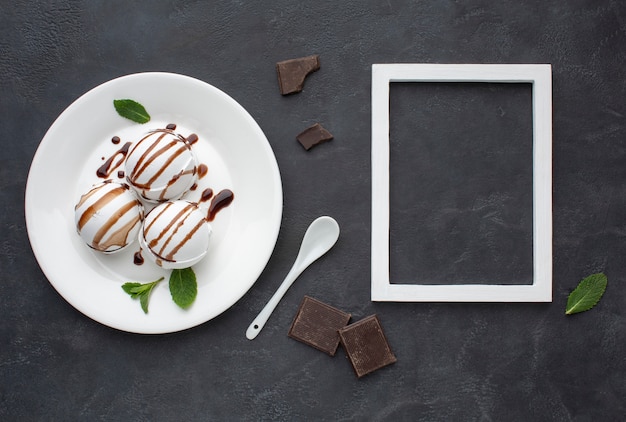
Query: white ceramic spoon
318,239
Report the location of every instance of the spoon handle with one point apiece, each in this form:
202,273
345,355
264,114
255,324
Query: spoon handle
255,327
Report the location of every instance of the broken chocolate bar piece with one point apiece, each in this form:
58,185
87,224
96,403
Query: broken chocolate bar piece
317,325
366,346
313,136
291,73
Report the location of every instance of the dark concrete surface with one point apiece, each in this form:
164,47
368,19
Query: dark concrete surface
456,362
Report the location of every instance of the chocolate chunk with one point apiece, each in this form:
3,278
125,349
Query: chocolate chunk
366,345
317,325
313,136
291,73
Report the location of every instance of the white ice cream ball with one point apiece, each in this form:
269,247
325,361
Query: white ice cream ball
175,234
161,166
109,216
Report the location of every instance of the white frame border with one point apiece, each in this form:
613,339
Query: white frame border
540,76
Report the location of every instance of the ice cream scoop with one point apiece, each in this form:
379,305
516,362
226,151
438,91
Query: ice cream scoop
109,216
175,234
161,166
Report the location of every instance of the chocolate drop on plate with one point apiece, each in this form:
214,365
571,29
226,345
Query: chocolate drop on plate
171,126
116,140
203,169
221,200
206,195
192,139
291,73
138,258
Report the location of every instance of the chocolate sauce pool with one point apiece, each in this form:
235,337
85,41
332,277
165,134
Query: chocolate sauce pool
138,258
220,201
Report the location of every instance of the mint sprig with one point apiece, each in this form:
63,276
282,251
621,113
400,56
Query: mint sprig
587,294
131,110
141,291
183,287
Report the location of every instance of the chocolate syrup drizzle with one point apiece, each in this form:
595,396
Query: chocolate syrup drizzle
192,139
109,166
220,201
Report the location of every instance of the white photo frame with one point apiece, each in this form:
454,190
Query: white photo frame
540,76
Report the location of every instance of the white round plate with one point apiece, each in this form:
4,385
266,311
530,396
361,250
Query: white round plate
238,157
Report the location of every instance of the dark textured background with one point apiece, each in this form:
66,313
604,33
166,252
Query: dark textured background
465,362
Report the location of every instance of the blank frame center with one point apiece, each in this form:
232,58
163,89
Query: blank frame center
539,160
460,182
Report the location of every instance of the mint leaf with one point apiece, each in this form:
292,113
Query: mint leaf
131,289
183,287
131,110
587,294
141,291
137,288
145,298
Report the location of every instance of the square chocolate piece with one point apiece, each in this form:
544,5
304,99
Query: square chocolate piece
366,346
317,325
